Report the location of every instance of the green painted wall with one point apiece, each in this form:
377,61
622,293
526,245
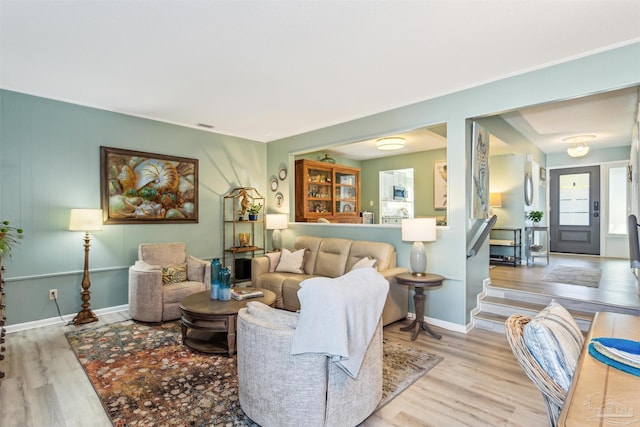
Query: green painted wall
49,160
49,163
605,71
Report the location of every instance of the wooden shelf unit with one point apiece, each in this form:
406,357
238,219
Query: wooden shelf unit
326,190
232,225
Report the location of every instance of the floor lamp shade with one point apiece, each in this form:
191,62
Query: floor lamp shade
277,222
85,220
418,230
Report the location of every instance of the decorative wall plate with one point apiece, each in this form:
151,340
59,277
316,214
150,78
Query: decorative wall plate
273,184
279,200
282,174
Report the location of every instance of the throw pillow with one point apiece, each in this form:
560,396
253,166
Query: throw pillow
555,340
364,263
174,274
274,258
291,262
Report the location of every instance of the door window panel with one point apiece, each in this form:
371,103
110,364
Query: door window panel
618,200
574,199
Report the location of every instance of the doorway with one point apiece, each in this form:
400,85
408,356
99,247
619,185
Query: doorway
574,212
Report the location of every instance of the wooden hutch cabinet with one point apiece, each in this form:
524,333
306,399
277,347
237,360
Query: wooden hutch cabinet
325,190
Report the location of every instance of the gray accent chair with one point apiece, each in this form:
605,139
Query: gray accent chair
279,389
152,301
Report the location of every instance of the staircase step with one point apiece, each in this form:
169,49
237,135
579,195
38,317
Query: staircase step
504,306
571,304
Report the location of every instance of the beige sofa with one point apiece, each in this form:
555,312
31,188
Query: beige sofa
333,257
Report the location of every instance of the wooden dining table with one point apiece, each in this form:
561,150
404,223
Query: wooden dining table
601,395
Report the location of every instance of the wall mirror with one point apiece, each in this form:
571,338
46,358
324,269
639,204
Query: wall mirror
422,150
528,189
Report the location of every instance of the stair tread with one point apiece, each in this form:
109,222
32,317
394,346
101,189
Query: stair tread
582,315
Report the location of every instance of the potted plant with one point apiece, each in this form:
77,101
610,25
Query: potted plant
535,216
253,211
8,236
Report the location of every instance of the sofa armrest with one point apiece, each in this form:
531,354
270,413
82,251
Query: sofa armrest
198,271
397,305
390,273
145,293
259,266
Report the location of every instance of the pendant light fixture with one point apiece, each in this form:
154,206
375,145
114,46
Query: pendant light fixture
579,146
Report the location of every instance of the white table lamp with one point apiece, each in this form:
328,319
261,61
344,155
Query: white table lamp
85,220
277,222
418,230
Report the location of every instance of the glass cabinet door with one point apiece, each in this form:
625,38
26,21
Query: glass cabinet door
346,192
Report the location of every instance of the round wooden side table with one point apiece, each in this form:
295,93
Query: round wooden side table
419,283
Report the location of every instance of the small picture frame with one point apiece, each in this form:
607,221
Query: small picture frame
543,174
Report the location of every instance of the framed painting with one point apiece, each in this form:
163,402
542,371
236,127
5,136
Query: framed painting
480,172
139,188
440,185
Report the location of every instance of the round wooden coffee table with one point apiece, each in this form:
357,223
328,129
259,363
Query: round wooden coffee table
205,323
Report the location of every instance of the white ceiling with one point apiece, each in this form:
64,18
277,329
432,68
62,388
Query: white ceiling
265,70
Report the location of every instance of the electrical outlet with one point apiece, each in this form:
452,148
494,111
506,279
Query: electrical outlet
53,294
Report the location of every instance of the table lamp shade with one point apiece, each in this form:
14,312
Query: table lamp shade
85,220
277,221
418,230
495,200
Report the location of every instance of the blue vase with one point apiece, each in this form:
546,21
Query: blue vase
224,277
216,265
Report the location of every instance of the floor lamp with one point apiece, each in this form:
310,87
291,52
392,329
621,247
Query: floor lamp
85,220
418,230
277,222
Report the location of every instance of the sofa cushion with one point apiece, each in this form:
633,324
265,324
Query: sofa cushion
310,244
331,260
163,253
555,340
291,262
383,252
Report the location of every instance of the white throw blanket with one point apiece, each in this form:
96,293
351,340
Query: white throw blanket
339,316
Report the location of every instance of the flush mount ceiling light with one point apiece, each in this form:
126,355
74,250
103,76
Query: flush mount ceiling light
579,147
391,143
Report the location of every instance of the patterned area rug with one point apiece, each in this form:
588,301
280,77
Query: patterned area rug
144,376
581,276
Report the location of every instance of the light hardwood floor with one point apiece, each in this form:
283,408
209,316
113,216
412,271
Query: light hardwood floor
478,383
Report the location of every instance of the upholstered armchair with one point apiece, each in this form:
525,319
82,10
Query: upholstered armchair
279,389
161,278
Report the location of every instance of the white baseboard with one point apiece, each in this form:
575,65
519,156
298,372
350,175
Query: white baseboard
444,324
57,321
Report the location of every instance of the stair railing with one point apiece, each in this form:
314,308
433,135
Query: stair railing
482,237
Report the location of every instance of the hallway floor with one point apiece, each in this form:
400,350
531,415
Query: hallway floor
618,285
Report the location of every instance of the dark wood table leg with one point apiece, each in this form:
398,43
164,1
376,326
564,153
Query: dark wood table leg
231,335
183,328
419,323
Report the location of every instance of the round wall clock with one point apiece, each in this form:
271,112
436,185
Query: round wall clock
282,174
274,184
